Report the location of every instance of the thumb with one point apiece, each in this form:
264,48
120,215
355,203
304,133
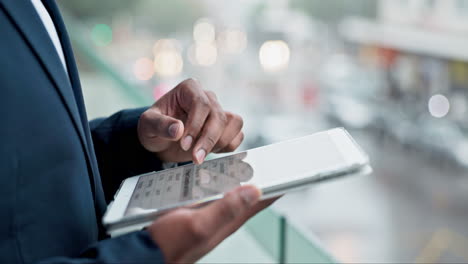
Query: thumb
223,217
154,125
226,210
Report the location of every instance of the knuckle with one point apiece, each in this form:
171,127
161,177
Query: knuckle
198,230
222,143
196,98
184,216
204,102
236,143
191,225
188,85
230,207
229,148
210,140
241,137
145,116
192,82
239,121
201,101
194,127
211,94
223,119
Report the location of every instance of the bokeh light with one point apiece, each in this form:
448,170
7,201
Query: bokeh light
206,54
204,31
168,63
232,41
439,106
168,60
191,55
160,90
101,35
166,44
143,69
274,55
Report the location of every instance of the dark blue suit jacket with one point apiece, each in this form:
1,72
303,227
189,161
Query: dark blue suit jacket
57,171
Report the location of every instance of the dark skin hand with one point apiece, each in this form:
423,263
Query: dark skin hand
187,234
187,123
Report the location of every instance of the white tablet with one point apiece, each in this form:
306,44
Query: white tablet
275,169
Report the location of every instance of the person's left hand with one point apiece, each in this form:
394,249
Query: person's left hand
187,123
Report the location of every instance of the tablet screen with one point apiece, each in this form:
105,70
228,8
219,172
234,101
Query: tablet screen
266,166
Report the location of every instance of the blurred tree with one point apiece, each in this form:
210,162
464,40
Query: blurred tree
333,11
92,8
161,15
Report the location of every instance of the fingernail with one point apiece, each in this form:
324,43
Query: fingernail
200,155
173,130
187,143
250,195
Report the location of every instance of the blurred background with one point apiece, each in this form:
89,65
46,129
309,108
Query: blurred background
392,72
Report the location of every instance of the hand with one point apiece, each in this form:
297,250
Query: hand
187,123
185,235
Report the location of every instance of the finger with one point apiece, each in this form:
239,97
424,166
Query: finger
195,121
197,105
154,124
233,127
212,130
159,130
211,133
235,143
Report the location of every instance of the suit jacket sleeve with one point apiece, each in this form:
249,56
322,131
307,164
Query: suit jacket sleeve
118,150
136,247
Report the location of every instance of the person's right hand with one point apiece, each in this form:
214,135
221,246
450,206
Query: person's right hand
187,234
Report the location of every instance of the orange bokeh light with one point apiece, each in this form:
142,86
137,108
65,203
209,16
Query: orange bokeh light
143,69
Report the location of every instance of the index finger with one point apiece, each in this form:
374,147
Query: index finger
196,104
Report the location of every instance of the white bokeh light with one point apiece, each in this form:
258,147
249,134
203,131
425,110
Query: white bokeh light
204,31
206,54
439,106
168,60
274,55
168,63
